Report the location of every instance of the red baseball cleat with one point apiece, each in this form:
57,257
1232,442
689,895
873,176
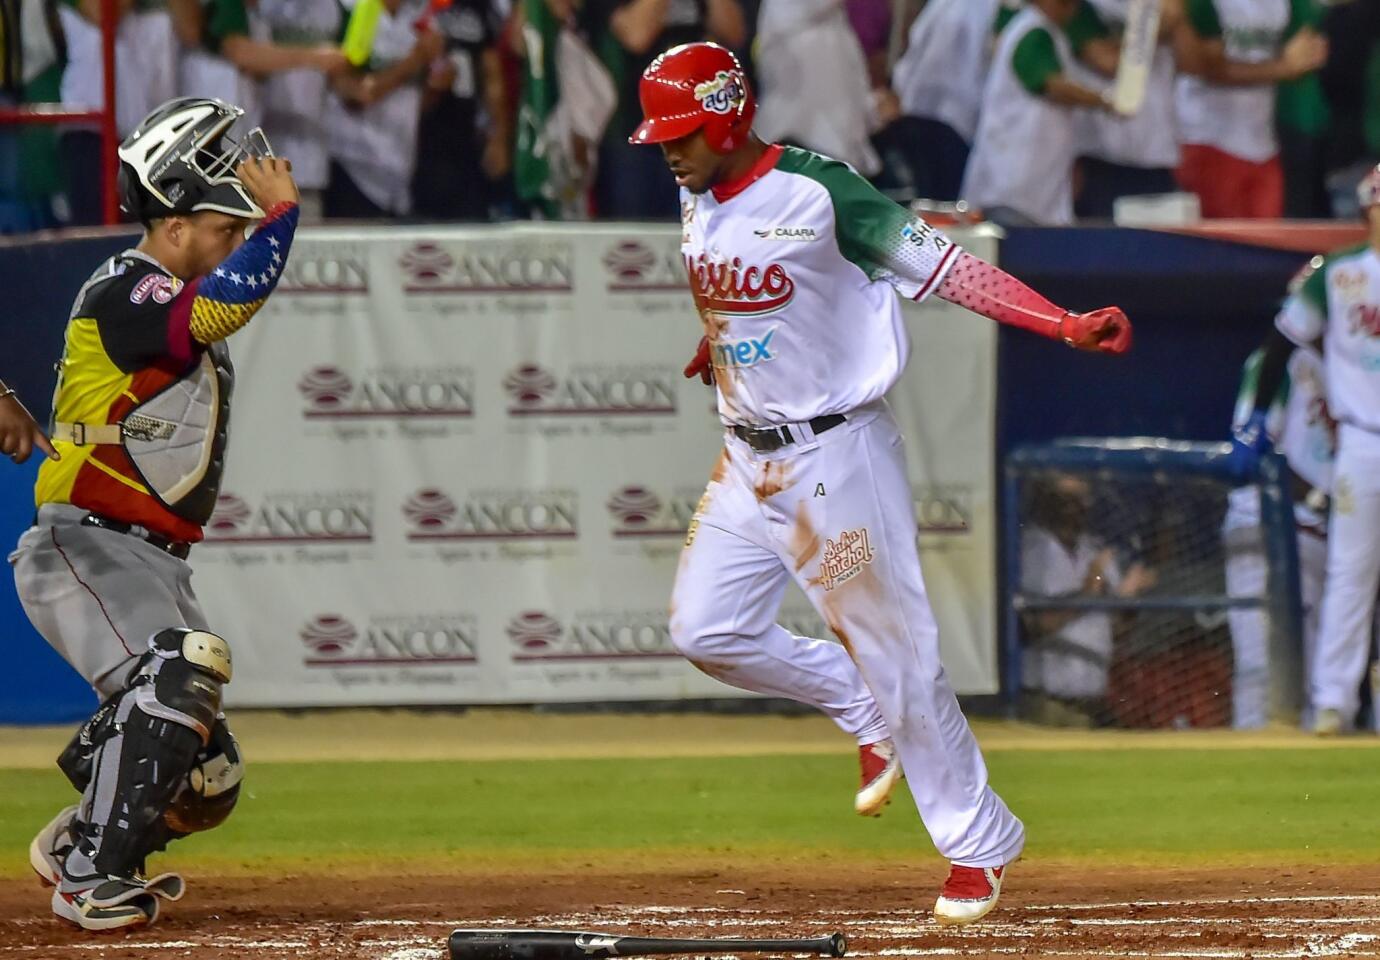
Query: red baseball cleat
881,771
969,894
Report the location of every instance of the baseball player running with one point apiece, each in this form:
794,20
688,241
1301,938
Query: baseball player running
140,417
1338,306
19,434
1298,423
794,261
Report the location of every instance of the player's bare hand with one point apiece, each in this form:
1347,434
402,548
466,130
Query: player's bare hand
430,45
268,180
1105,330
19,433
1138,579
699,365
328,59
1304,52
886,104
1095,581
498,157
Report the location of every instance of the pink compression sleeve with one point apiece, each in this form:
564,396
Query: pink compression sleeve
982,288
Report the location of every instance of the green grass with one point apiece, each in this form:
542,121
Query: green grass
1191,807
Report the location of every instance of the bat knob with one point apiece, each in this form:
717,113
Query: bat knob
838,946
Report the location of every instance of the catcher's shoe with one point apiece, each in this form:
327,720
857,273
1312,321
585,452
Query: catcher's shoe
881,771
110,903
48,850
969,894
169,886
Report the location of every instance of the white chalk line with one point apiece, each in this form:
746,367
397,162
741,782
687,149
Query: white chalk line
1127,904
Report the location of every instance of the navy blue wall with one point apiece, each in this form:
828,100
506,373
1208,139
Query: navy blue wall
1199,306
37,284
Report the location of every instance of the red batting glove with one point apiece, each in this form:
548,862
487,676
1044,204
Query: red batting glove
1105,330
699,366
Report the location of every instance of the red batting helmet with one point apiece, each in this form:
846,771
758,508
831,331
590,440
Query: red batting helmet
691,86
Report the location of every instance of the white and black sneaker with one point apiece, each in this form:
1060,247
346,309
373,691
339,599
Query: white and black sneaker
109,903
48,850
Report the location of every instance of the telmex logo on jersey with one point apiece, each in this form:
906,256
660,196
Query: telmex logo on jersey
483,266
732,288
404,640
537,636
494,515
747,352
591,390
334,517
637,512
388,392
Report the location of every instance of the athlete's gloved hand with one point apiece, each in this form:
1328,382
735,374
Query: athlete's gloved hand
1249,442
699,365
1105,330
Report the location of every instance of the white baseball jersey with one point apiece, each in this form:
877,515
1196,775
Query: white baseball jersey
795,271
377,144
145,61
1150,137
948,51
1075,662
1339,304
1296,420
295,100
1025,145
1239,120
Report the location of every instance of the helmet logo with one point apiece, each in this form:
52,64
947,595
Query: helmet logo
721,95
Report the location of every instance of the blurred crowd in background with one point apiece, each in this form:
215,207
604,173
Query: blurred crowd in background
474,110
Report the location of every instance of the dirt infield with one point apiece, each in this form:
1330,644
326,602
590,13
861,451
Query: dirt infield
1048,911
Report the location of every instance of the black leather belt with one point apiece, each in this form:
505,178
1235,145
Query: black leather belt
767,439
176,548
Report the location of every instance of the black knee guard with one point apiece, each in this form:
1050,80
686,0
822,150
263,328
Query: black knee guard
76,760
143,748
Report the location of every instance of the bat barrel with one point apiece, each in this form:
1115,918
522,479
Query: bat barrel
559,945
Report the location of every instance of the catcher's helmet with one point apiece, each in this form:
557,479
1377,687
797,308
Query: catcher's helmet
180,159
691,86
1368,190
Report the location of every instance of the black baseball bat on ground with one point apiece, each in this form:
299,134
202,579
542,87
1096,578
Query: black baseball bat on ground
559,945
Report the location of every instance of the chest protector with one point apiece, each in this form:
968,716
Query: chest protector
176,438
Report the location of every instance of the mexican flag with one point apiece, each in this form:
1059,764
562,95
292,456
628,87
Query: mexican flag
540,92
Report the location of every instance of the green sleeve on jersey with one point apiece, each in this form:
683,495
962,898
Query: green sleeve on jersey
878,235
1005,15
1303,13
1202,17
1250,386
1036,60
1086,26
224,18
